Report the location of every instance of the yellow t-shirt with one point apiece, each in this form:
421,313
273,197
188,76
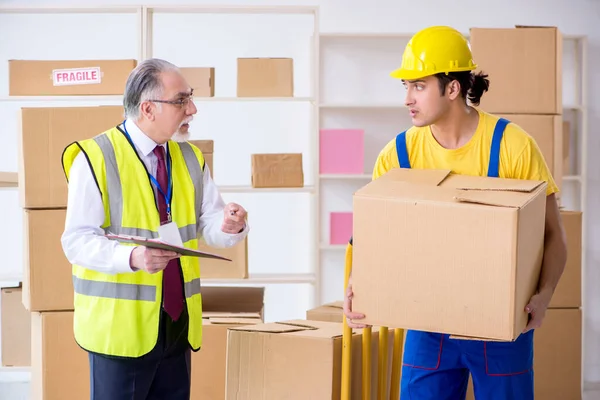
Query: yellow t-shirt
520,156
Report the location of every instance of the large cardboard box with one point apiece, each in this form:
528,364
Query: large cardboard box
59,367
265,77
68,77
547,131
331,312
16,329
557,357
44,135
441,252
47,277
524,65
207,148
296,359
568,291
237,268
223,308
201,79
277,170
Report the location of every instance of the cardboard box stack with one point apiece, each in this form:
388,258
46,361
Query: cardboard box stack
57,361
524,65
525,69
224,308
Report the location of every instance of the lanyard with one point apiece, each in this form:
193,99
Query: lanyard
169,193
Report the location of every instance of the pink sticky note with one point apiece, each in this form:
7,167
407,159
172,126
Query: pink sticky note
341,151
340,227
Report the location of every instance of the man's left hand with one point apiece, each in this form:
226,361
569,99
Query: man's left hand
536,308
234,219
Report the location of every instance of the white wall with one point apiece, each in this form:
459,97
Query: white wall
191,45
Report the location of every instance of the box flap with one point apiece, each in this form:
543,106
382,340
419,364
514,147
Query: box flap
464,182
432,177
234,321
273,327
216,314
335,304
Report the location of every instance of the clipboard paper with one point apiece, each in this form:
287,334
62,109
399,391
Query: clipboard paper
157,244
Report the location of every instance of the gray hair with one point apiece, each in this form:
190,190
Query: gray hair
144,84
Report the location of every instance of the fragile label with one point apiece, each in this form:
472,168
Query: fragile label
76,76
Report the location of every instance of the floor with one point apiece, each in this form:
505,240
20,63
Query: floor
20,391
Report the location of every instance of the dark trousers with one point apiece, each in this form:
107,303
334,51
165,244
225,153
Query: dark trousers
162,374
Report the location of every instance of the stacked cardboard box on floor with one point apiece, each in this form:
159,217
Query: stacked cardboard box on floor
223,308
525,69
298,359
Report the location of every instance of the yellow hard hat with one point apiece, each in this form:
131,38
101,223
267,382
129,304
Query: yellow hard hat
434,50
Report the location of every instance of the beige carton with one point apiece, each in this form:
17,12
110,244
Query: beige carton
296,360
524,65
277,170
68,77
447,253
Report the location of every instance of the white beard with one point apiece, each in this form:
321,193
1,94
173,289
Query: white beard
181,137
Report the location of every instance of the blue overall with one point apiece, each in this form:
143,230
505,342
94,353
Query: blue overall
436,367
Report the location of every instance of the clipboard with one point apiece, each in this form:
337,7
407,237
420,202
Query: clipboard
157,244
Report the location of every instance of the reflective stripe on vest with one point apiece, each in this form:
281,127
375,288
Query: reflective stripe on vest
494,164
126,291
115,191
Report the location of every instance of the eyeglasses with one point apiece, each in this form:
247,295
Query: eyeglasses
182,102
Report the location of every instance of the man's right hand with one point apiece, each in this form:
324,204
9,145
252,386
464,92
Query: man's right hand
348,310
151,260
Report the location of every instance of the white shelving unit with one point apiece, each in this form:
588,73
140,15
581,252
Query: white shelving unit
142,25
370,57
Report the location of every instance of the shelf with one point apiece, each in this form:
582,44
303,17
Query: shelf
234,9
120,98
346,177
8,180
66,9
362,105
15,374
332,247
260,99
366,35
572,178
62,98
250,189
574,107
264,279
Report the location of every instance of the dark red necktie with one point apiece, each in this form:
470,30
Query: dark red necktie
173,300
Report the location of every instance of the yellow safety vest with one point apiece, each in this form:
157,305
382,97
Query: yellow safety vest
119,314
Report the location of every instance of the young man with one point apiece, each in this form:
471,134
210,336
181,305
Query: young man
448,133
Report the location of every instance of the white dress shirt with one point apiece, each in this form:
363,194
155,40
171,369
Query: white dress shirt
83,239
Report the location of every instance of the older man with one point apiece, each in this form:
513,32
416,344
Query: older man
138,311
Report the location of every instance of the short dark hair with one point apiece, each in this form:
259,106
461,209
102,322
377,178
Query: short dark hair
472,85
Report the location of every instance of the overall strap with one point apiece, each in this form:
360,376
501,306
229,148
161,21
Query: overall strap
494,166
402,150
